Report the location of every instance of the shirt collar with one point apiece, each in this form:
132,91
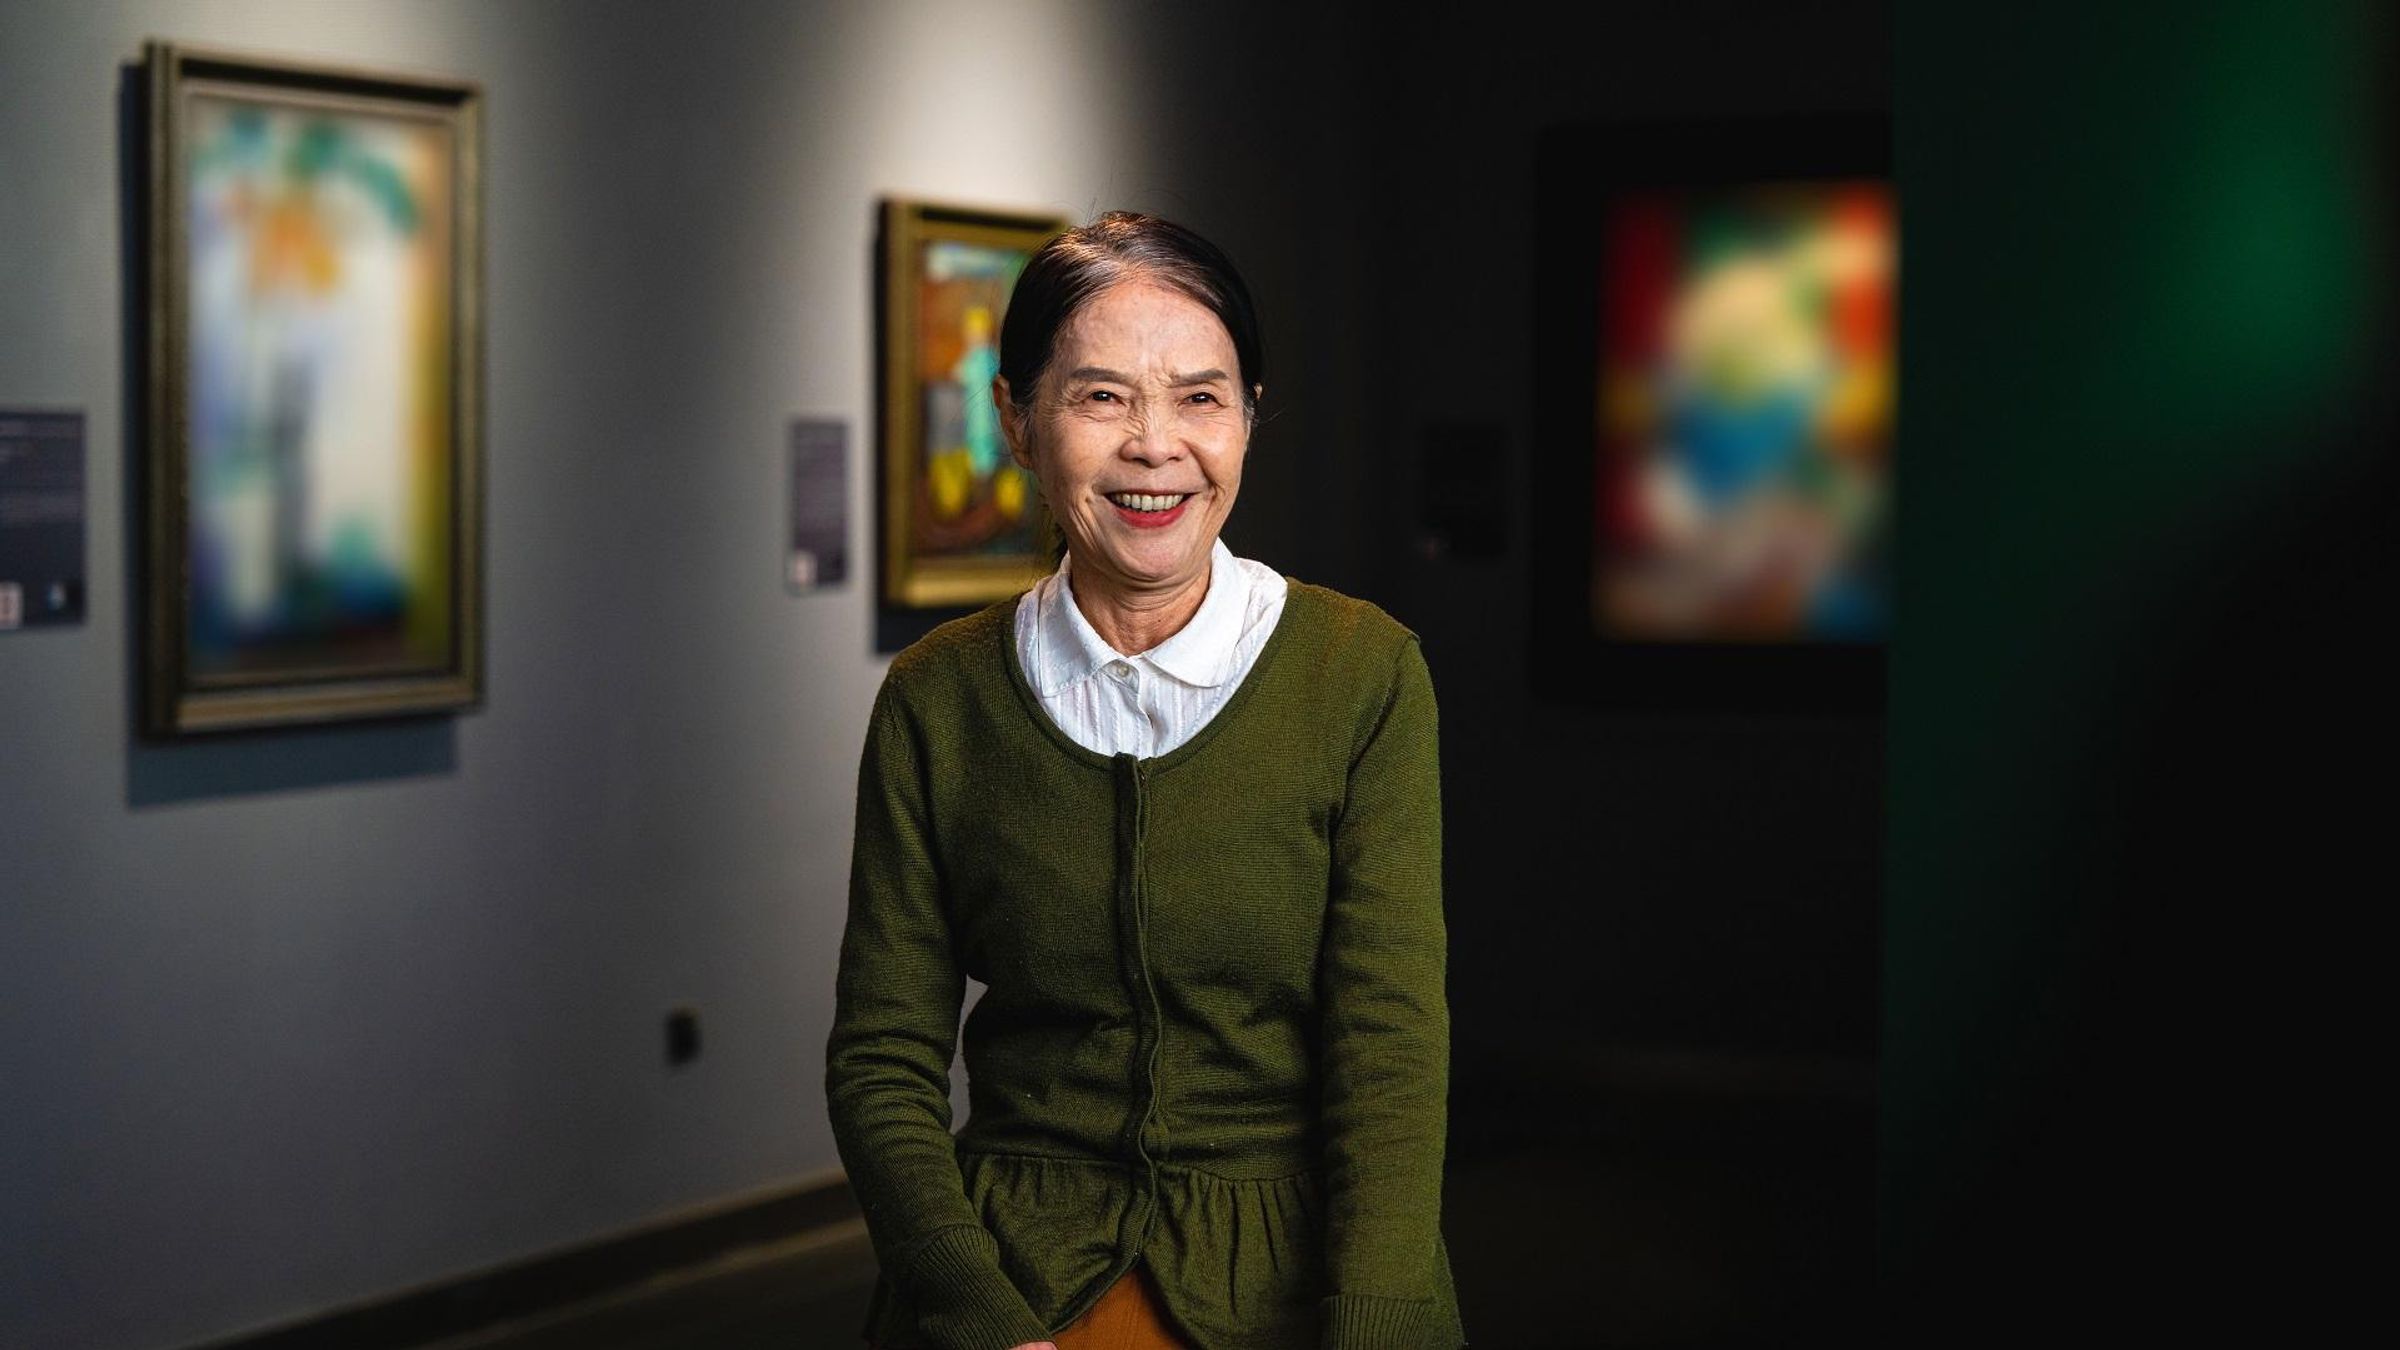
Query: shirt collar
1199,654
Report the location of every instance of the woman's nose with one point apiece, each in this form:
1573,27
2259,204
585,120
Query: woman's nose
1147,441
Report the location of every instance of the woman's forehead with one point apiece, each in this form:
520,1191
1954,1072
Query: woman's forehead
1152,327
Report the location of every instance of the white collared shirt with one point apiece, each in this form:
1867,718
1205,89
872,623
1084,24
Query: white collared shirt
1148,704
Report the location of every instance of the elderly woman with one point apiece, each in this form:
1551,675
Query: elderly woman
1181,816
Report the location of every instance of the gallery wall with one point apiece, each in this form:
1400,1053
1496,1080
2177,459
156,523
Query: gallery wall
297,1019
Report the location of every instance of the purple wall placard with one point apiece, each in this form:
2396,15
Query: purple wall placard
819,555
41,518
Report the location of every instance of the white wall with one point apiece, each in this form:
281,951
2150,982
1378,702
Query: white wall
291,1020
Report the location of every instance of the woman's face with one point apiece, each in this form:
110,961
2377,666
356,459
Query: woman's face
1136,436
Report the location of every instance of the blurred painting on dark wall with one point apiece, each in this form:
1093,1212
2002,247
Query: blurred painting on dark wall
1716,393
1745,417
962,523
313,496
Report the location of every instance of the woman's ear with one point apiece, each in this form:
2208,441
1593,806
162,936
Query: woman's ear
1012,423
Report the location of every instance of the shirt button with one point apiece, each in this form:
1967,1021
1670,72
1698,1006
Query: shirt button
1119,670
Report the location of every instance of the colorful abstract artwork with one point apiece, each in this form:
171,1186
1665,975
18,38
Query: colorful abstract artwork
316,393
1744,418
962,522
319,391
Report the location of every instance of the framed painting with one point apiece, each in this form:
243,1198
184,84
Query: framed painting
962,524
1715,405
314,476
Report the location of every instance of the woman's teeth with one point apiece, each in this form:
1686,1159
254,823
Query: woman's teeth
1144,501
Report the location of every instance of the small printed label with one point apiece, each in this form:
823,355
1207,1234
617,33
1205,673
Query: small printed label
41,518
820,507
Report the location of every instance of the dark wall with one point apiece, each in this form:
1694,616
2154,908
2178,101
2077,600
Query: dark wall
2146,325
1664,925
1703,882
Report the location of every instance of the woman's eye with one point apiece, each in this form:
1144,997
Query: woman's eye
1103,396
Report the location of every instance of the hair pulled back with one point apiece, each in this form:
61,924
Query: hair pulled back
1067,272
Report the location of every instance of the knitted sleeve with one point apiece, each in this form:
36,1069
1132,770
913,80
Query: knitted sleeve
1386,1030
887,1063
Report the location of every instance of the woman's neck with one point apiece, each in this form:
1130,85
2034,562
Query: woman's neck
1132,621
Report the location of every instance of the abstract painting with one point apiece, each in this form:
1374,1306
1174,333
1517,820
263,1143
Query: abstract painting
962,523
315,465
1744,423
1715,397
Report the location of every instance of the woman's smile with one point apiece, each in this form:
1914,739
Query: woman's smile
1149,510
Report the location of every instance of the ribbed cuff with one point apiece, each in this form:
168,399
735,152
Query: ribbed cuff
1370,1322
964,1301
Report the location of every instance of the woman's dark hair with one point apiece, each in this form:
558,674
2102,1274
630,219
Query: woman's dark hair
1067,272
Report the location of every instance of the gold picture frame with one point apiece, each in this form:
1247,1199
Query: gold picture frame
314,478
962,524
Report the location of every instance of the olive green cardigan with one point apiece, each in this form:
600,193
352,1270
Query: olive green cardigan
1214,1036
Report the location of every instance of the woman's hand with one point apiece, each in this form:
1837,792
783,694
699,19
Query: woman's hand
1038,1345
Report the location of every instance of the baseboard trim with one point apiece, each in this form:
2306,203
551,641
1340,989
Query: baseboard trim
461,1305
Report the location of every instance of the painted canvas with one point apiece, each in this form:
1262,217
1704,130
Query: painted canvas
962,522
319,391
1744,419
315,394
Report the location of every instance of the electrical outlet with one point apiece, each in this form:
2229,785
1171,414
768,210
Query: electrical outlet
683,1036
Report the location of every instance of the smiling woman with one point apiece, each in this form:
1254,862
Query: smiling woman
1181,816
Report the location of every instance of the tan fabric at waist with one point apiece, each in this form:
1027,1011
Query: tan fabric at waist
1128,1317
